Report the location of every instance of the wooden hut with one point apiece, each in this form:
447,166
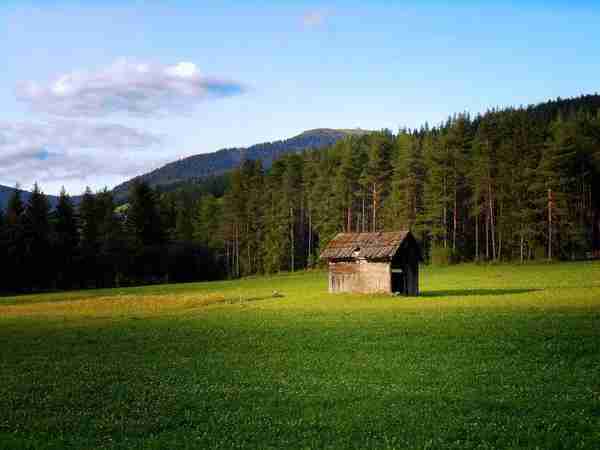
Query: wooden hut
374,262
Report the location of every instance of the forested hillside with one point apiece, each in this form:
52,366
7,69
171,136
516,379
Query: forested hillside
198,167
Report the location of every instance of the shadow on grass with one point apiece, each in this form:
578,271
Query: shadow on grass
473,292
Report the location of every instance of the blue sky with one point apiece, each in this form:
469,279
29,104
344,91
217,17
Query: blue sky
92,93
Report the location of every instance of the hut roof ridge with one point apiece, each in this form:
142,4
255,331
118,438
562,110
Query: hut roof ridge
376,245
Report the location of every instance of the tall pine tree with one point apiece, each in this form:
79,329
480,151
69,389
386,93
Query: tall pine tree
36,229
66,239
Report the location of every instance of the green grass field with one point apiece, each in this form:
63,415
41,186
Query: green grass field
488,357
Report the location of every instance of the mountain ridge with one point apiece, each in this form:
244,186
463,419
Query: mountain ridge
6,192
204,165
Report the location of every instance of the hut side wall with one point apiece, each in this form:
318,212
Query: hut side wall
359,276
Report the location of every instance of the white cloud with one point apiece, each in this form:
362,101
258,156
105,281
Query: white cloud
183,70
315,19
73,153
140,89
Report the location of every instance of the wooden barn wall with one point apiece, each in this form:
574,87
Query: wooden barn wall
359,276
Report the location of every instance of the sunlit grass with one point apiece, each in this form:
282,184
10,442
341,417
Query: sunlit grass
489,357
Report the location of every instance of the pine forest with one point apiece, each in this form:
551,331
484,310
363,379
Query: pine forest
512,184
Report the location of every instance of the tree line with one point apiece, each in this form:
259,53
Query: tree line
96,244
514,184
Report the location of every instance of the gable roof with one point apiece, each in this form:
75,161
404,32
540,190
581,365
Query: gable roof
381,245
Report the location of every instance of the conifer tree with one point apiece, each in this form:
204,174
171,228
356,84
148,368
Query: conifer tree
309,175
15,207
168,213
326,224
346,183
109,227
276,220
89,222
66,239
15,242
114,246
378,172
184,227
143,220
228,234
363,183
36,229
292,182
405,202
437,191
458,146
236,218
482,179
206,222
254,213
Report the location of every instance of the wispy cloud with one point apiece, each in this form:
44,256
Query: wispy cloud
134,88
70,150
315,18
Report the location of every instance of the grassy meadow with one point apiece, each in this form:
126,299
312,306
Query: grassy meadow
487,357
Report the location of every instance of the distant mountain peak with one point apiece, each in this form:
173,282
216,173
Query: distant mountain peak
345,131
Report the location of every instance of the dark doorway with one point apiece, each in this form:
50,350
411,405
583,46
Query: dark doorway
399,281
405,268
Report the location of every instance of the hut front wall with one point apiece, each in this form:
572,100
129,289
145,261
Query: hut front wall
359,276
374,277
